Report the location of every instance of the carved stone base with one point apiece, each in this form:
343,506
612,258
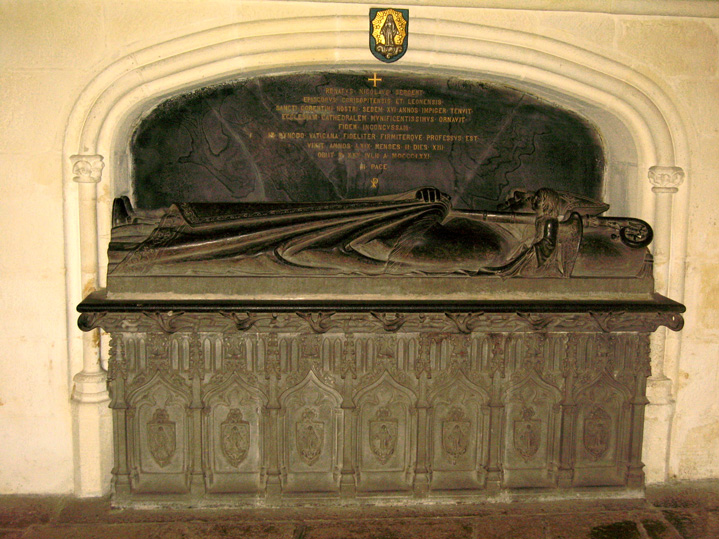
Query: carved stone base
211,402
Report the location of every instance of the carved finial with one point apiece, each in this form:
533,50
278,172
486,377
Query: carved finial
666,179
87,168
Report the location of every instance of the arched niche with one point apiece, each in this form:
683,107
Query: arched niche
623,153
638,123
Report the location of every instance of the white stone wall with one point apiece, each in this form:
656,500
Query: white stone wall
50,50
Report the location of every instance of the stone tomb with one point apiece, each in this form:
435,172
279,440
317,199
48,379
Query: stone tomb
226,398
397,340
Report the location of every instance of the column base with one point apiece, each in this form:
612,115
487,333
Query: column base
658,415
635,478
273,489
92,435
565,478
348,487
421,485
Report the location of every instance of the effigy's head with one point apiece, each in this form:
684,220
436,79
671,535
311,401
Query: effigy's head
546,202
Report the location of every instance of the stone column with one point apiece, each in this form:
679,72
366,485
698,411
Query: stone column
348,374
497,365
92,423
568,407
421,470
271,417
638,403
659,413
117,377
665,183
197,475
423,371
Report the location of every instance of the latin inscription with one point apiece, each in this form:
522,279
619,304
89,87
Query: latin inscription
374,126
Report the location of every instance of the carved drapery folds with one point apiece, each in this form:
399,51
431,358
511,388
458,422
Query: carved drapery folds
345,402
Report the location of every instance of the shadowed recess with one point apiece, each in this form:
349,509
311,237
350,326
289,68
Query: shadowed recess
336,136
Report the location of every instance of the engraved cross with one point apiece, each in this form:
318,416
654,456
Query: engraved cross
374,79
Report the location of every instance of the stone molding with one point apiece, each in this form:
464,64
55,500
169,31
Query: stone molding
675,8
462,323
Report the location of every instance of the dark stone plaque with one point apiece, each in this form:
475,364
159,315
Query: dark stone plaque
315,137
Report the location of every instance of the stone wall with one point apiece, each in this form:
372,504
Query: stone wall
51,50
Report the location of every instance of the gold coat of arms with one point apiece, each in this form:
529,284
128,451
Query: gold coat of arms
388,33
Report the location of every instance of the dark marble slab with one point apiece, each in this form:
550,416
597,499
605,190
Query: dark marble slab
314,137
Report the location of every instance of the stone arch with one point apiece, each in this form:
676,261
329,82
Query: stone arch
602,379
385,377
159,378
639,118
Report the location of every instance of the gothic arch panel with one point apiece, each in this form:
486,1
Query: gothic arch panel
386,429
531,433
160,436
458,435
311,427
602,433
233,437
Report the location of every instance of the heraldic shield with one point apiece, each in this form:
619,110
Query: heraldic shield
597,433
310,437
388,33
383,435
455,434
235,437
527,434
161,437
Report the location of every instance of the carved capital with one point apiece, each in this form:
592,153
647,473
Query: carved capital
666,179
87,168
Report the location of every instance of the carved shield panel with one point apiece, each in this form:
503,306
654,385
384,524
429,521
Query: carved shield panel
456,429
310,437
383,435
527,434
161,437
235,437
597,433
